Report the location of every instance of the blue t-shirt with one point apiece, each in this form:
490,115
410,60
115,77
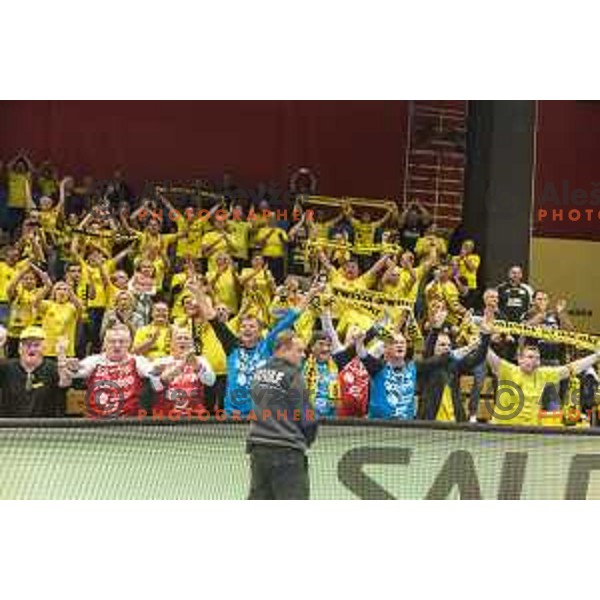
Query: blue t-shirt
392,394
242,363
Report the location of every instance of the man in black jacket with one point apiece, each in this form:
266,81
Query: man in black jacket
31,385
285,426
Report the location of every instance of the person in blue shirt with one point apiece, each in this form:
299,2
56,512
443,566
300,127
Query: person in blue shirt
394,378
248,352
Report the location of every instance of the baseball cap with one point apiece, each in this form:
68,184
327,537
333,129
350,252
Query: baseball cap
32,333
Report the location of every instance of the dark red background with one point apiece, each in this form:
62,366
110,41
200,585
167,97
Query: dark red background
567,149
356,147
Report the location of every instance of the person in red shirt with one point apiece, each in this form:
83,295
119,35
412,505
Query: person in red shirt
183,375
115,378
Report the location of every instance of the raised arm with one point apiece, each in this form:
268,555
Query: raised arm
579,366
371,363
11,289
62,195
329,329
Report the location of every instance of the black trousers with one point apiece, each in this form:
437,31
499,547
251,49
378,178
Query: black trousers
214,395
278,473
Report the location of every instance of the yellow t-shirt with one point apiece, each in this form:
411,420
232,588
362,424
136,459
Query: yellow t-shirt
445,292
470,276
58,320
321,230
179,279
225,288
274,239
159,272
21,311
192,244
446,410
364,236
104,239
355,315
162,241
424,244
111,294
211,347
161,346
93,275
363,282
221,246
81,291
7,274
240,237
409,288
48,219
17,189
523,389
263,283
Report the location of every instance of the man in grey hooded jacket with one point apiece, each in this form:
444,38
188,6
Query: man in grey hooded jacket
285,426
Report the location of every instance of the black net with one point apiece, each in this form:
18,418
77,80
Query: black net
82,459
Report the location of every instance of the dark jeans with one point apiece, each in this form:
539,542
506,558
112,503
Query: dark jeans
214,395
95,326
278,473
479,374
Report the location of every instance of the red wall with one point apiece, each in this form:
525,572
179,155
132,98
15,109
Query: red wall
567,150
357,148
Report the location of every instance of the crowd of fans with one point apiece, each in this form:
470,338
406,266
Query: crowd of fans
168,303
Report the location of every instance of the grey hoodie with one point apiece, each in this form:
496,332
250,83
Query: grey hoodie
280,399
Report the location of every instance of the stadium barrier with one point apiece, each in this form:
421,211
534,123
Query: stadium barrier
131,459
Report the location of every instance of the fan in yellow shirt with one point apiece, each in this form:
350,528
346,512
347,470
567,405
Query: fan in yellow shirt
271,241
431,242
319,226
468,263
117,282
442,289
9,267
23,295
151,237
258,278
19,183
190,227
47,180
411,277
349,278
205,340
241,230
49,214
59,317
365,229
521,386
154,340
215,242
224,283
179,287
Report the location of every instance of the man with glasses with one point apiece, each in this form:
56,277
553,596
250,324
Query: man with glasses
31,385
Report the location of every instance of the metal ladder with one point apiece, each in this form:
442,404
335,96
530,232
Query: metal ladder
435,159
